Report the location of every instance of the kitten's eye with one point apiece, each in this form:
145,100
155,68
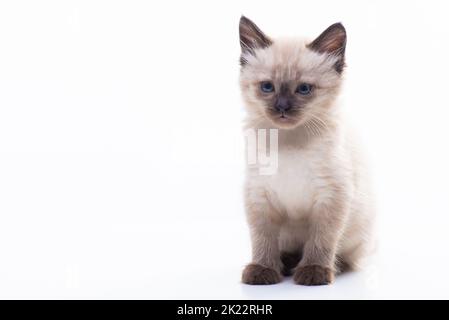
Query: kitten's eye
304,89
267,86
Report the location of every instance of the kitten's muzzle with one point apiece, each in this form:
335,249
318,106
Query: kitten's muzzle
283,104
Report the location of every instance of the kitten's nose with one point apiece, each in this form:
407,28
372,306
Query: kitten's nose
283,104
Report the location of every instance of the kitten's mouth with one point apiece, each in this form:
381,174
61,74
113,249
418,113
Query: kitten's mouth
284,120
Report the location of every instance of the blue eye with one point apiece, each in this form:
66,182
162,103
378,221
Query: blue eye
267,86
304,89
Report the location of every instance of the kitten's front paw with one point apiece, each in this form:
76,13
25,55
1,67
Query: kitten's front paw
313,275
257,274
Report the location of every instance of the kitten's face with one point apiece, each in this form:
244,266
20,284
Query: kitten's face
290,82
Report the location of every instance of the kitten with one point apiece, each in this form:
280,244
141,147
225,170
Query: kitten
312,217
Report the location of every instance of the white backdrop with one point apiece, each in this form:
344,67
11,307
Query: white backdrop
121,160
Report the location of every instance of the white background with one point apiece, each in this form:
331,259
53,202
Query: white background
121,153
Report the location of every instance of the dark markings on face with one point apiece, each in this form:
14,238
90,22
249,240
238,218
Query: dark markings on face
332,41
285,100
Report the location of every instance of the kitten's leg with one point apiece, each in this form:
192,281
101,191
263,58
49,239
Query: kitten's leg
317,266
265,267
342,265
349,259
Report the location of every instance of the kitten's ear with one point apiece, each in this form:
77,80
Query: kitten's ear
332,41
251,37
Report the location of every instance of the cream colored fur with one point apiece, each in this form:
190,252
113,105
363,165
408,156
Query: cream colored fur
318,201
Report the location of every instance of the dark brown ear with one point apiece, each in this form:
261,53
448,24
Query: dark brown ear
332,41
251,37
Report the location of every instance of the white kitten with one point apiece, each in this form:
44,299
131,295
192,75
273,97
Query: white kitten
312,215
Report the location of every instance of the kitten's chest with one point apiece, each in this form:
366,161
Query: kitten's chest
294,186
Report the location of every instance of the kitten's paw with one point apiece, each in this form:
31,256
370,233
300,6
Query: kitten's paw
257,274
313,275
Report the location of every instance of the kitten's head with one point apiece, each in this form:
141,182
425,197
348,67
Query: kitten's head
290,82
